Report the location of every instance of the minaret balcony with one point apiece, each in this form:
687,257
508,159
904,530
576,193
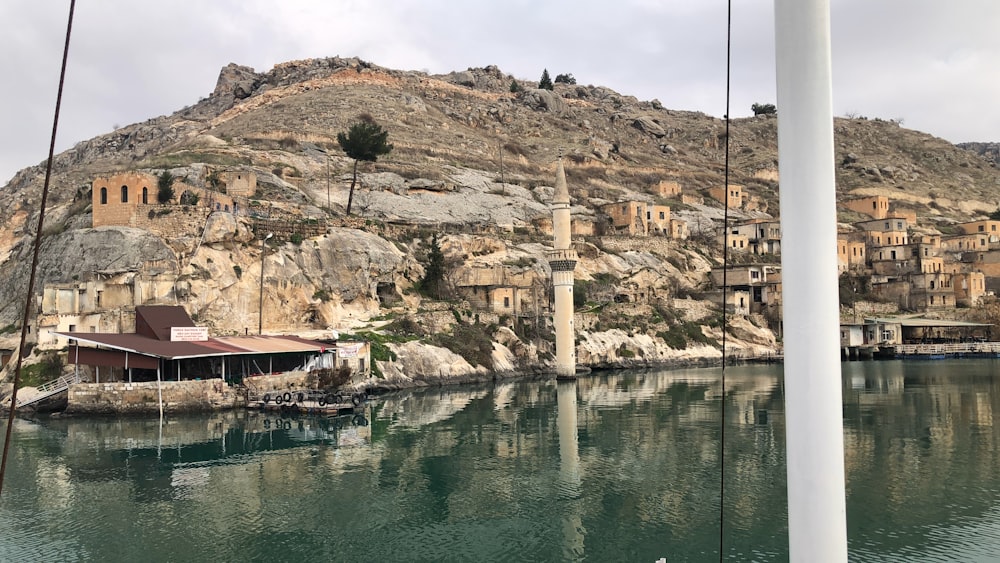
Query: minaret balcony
562,259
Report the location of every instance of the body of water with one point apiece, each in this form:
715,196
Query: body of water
620,466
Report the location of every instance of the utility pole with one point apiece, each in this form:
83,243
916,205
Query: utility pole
503,185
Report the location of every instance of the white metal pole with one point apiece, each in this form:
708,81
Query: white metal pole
159,395
817,519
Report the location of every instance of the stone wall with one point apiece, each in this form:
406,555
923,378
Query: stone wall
170,221
618,244
288,381
143,398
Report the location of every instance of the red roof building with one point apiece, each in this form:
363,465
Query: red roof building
167,344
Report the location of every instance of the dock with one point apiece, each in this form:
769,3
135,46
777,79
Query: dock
308,402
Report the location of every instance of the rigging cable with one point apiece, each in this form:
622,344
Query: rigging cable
35,251
725,287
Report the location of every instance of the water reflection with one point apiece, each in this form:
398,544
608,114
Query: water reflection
569,472
618,466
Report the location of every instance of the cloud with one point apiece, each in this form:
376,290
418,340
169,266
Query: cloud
929,63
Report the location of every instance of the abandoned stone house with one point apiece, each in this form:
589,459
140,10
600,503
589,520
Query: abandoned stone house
755,237
851,251
130,199
667,188
237,182
876,207
638,218
104,304
495,288
753,288
732,197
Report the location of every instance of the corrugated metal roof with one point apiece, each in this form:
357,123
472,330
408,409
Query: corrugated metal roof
922,322
222,346
155,321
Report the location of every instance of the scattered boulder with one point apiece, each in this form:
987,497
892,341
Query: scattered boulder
544,100
649,126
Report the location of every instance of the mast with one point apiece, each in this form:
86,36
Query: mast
817,519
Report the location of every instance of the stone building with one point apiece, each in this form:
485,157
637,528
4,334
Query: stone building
497,289
105,304
117,198
732,197
850,251
238,182
760,282
667,188
638,218
129,199
876,207
756,237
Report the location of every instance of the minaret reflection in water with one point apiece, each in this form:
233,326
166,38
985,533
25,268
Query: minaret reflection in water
569,471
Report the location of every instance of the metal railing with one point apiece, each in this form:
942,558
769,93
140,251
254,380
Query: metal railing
947,349
50,388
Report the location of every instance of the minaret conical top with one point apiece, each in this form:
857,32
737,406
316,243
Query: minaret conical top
561,194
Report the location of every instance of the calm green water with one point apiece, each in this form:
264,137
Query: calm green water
617,467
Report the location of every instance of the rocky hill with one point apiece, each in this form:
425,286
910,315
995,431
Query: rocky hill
473,162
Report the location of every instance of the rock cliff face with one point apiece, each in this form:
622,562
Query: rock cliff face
472,165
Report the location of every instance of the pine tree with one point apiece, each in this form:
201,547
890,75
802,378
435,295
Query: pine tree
365,140
565,79
165,187
545,83
515,87
433,281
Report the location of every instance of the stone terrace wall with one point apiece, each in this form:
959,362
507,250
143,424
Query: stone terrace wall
142,398
656,244
170,221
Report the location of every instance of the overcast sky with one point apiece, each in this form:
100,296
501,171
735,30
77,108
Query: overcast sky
934,64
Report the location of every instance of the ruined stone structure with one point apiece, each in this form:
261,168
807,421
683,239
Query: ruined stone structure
667,188
105,304
129,199
239,182
638,218
732,197
495,288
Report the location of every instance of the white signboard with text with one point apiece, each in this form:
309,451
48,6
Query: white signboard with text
188,333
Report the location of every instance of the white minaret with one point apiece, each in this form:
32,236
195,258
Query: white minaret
562,261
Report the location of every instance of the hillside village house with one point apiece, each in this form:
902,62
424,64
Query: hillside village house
667,188
759,284
756,237
498,289
638,218
885,232
876,207
733,197
850,252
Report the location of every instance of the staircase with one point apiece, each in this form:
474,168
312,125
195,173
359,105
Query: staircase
49,389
